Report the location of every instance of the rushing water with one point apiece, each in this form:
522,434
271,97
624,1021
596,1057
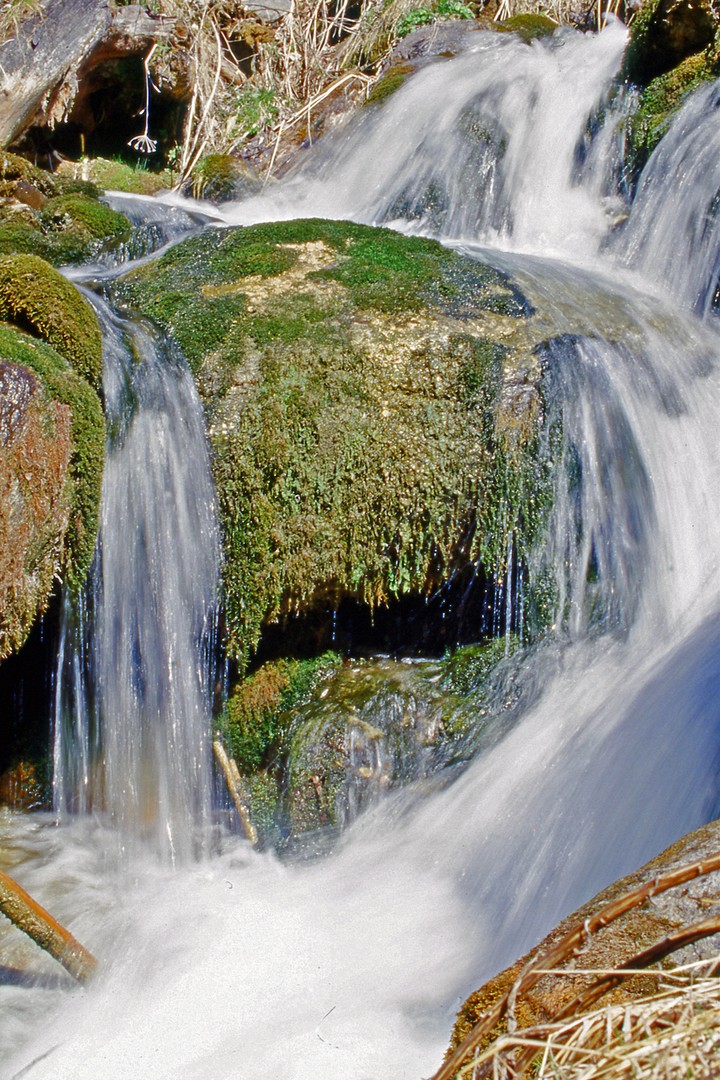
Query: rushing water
352,966
133,698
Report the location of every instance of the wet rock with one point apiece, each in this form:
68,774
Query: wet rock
51,455
666,32
358,386
617,942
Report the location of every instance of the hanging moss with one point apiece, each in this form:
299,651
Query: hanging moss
36,298
366,440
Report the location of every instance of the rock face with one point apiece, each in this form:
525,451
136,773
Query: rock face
617,942
373,402
47,56
52,437
666,32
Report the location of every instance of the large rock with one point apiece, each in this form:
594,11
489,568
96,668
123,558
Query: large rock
373,401
666,32
51,455
615,943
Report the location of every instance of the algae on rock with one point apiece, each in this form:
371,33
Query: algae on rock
361,392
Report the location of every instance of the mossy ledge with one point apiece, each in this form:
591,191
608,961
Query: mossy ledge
37,298
51,460
59,218
373,403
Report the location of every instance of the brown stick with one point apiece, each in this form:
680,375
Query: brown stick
587,998
231,779
38,924
570,945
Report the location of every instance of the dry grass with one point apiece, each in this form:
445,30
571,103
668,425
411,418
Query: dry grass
670,1035
676,1032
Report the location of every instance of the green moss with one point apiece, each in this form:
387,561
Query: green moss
258,717
81,226
24,239
118,175
88,442
662,97
391,81
529,26
361,440
35,297
13,168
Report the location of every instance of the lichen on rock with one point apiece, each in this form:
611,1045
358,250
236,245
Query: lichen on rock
358,389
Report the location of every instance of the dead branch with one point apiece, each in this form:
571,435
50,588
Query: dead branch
232,779
568,946
20,908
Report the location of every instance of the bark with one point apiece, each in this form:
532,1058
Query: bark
40,67
38,924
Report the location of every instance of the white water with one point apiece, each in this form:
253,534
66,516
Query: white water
132,713
352,966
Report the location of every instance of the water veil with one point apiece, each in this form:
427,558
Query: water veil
134,682
353,965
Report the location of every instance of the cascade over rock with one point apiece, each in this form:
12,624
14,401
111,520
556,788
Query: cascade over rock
374,404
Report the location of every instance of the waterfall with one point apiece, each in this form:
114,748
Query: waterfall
493,146
133,697
354,965
673,234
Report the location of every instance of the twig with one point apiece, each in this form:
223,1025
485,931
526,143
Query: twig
45,931
570,945
232,777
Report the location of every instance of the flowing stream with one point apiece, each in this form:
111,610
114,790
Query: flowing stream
353,965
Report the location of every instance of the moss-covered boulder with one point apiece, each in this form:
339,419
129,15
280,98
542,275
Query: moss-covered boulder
59,218
660,99
373,403
36,297
666,32
318,740
52,439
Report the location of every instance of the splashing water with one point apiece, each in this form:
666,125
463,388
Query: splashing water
134,672
352,966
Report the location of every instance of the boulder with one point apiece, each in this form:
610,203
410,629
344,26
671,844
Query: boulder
615,944
51,455
666,32
374,403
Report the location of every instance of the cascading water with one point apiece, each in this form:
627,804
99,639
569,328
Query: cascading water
133,696
353,965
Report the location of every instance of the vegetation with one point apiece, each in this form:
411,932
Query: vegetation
54,464
59,219
662,97
35,297
530,25
360,447
421,16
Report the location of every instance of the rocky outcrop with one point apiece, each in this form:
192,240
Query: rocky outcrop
615,944
374,404
46,58
52,436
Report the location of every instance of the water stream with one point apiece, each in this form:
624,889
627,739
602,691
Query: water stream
239,965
